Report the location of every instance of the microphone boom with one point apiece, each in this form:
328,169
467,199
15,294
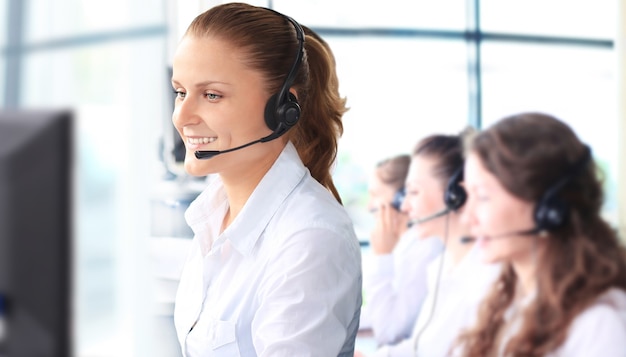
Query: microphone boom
429,218
528,232
207,154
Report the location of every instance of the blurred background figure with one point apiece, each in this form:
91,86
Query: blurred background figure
395,274
534,206
457,279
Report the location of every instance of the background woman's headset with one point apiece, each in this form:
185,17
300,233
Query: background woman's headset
551,211
455,195
398,198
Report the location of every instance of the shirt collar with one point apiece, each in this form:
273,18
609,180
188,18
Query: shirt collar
243,233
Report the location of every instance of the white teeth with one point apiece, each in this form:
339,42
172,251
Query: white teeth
199,141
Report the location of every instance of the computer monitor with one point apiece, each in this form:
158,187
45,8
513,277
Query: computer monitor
35,231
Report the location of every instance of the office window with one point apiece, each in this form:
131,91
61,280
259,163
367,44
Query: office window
576,84
3,28
562,18
47,20
398,90
3,49
391,14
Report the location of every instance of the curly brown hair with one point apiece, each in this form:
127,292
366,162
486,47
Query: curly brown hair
582,259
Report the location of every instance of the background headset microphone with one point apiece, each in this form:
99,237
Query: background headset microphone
282,110
551,212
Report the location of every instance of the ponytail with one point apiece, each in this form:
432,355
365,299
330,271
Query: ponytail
317,133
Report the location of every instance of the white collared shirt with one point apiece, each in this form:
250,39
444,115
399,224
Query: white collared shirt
453,308
599,330
395,287
284,279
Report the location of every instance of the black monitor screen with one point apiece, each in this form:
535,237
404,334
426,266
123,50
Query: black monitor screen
35,232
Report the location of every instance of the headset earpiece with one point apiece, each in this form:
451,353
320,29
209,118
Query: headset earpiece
398,198
287,112
551,211
455,195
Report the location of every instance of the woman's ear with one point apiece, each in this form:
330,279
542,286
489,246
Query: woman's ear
294,92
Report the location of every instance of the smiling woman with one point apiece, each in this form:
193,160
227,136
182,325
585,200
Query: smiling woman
272,246
220,105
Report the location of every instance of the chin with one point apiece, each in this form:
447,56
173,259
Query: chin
422,233
490,257
195,167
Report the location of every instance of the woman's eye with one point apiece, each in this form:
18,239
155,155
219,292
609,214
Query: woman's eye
482,198
213,96
180,94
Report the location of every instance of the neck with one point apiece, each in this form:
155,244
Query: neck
240,182
525,266
454,247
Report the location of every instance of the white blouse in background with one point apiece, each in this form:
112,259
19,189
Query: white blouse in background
599,330
284,279
454,306
395,287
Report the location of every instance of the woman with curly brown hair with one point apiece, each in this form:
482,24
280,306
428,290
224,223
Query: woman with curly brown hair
534,204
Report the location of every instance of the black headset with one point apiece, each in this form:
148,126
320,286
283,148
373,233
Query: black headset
551,211
282,110
398,198
455,195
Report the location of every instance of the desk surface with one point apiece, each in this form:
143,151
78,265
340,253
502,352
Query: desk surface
365,342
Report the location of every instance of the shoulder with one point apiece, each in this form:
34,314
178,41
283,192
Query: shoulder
311,205
310,219
600,330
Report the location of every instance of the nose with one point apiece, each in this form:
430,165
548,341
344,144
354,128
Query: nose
185,112
405,207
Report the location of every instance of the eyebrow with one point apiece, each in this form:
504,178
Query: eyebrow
202,84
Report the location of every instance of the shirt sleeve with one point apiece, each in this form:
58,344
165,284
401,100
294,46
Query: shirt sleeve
598,331
309,302
395,288
402,349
